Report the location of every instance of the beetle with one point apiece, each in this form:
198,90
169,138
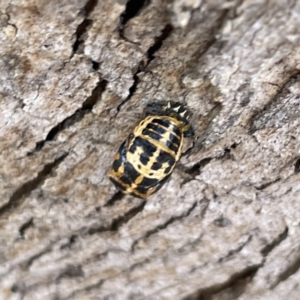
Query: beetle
146,159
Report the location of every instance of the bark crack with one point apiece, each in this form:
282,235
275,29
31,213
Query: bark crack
133,7
165,33
267,184
117,222
77,116
71,271
116,197
158,41
133,88
25,189
236,250
283,89
24,227
164,225
281,237
84,25
291,269
297,166
240,277
195,170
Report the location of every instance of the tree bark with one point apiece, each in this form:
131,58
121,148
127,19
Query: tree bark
75,77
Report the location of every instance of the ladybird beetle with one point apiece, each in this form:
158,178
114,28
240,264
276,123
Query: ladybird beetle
146,159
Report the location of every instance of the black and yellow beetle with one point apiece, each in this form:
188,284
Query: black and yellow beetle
146,159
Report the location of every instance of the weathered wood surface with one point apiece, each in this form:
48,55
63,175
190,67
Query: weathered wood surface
74,79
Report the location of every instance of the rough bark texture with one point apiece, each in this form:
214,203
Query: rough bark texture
75,77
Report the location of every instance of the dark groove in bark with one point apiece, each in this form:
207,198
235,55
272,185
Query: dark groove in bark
291,269
165,33
236,250
24,190
25,226
70,271
150,55
30,261
268,248
267,184
83,26
85,289
195,170
19,287
70,243
213,113
116,197
239,277
77,116
282,91
95,65
297,166
81,29
119,221
132,89
164,225
133,7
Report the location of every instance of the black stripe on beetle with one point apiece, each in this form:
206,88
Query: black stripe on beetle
148,147
172,146
121,158
164,157
148,182
156,128
117,184
174,139
131,172
151,134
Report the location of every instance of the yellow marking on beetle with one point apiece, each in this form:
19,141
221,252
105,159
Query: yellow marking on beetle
133,190
117,178
151,190
165,165
129,189
143,170
185,128
139,180
146,170
138,151
164,137
159,145
117,156
164,148
174,122
116,174
121,168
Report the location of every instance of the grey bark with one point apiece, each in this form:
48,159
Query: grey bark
75,77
